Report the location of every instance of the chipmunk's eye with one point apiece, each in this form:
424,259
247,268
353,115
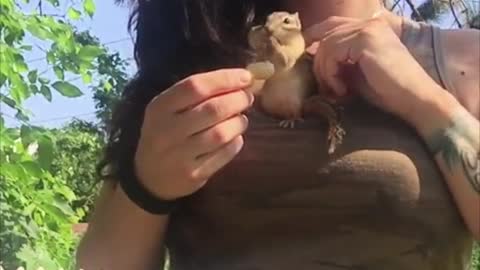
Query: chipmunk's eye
286,21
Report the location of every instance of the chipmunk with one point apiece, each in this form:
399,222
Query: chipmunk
284,76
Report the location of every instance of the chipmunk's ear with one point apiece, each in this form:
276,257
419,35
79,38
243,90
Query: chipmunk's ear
297,19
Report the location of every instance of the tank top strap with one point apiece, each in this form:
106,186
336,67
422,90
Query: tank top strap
424,42
441,63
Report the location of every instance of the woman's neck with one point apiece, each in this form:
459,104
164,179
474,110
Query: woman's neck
314,11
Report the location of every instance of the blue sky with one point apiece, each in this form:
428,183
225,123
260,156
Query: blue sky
108,24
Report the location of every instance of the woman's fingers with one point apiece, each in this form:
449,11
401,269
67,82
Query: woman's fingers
200,87
332,77
335,37
205,153
318,31
213,111
333,53
210,163
217,136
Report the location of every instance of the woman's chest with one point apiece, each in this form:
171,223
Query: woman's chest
381,162
381,189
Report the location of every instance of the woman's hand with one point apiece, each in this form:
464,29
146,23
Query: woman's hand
396,80
192,130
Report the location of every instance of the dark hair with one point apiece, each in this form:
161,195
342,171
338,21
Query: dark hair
175,39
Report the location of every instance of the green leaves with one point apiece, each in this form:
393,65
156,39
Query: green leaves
19,92
89,53
107,86
89,7
32,168
39,30
38,52
74,14
67,89
26,47
61,204
32,76
36,258
87,77
54,2
59,72
45,152
51,57
46,92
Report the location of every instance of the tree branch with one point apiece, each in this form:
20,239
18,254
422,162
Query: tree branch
466,10
40,8
56,15
395,4
414,9
40,48
454,12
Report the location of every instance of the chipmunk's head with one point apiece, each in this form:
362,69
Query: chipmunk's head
283,24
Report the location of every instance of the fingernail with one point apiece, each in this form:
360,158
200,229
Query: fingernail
245,118
250,97
245,77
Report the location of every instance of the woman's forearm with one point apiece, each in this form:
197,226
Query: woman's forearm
121,235
453,136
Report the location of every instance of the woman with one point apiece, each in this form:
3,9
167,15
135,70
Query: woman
402,192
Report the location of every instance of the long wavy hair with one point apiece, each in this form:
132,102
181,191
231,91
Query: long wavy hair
175,39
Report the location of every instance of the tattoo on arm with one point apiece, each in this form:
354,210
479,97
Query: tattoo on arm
459,147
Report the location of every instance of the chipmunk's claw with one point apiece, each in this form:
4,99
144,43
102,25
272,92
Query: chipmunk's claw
319,106
335,137
290,123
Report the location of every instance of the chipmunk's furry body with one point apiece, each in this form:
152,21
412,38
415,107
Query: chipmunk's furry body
286,69
281,43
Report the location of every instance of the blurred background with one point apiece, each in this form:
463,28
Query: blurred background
63,65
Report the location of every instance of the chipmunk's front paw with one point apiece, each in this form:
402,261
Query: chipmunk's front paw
290,123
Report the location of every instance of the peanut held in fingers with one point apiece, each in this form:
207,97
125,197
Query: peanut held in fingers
261,70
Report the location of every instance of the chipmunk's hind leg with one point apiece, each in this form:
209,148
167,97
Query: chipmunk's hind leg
335,137
321,108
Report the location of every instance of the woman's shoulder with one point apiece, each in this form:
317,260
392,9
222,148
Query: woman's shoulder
462,48
461,52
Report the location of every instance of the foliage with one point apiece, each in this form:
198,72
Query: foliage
64,55
464,13
36,213
476,257
111,78
78,148
108,91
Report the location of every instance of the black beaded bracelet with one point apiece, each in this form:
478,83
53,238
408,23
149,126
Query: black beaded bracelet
141,196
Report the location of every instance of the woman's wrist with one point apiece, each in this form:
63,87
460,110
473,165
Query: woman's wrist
138,193
120,234
132,206
431,110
